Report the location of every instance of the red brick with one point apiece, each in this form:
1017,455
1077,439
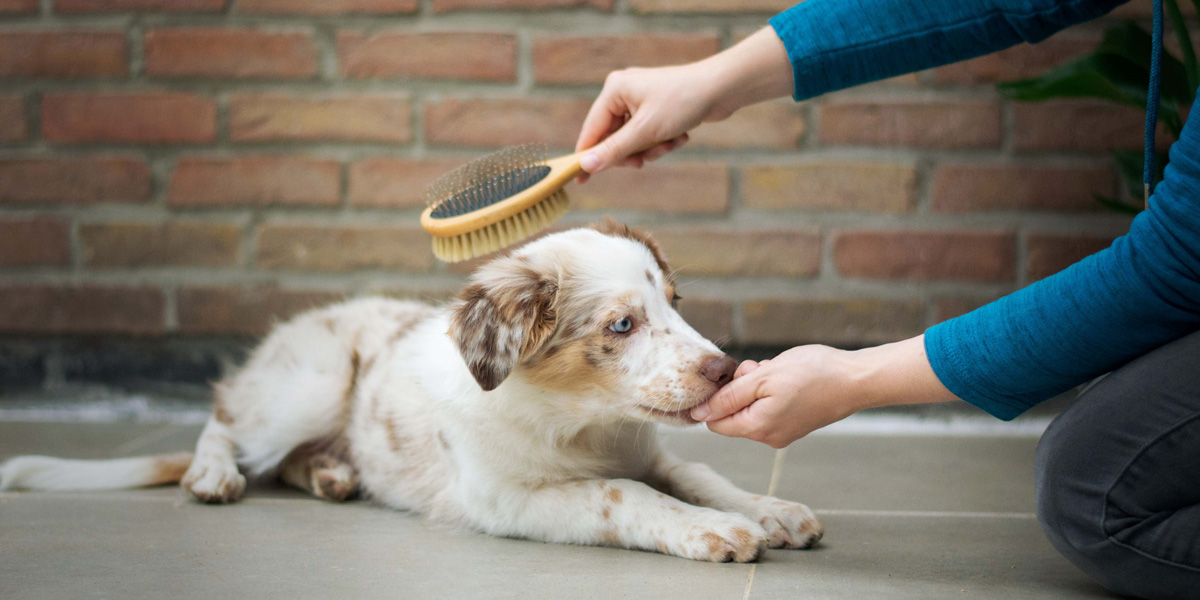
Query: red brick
13,7
746,253
240,311
1078,125
452,5
344,118
499,123
1050,253
70,53
945,309
36,241
79,180
971,188
101,6
254,181
710,6
1018,62
866,187
346,248
13,126
395,182
671,188
591,59
147,245
327,7
777,125
229,52
926,255
940,124
47,309
432,55
710,317
845,322
130,117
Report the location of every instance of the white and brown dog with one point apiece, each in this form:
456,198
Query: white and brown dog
506,411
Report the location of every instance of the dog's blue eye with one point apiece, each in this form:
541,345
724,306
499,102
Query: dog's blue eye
622,326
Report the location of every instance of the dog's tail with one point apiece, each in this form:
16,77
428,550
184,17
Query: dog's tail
48,473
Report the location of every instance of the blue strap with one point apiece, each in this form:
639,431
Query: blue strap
1156,50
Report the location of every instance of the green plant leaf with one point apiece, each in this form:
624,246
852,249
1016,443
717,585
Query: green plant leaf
1132,43
1185,44
1089,77
1116,205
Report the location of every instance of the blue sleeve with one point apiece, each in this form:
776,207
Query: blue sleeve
1113,306
836,44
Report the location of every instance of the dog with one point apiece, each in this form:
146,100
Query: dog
518,410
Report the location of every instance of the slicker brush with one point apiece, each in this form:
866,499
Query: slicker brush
496,201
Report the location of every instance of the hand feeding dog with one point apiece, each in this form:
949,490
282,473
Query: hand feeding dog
517,410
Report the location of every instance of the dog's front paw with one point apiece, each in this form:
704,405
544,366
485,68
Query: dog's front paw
724,537
213,483
788,524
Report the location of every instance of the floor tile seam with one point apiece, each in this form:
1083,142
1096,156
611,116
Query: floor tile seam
776,473
141,441
929,514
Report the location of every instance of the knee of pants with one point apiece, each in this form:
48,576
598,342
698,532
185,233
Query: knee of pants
1059,505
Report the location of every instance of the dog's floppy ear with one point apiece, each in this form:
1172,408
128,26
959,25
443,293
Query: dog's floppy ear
503,316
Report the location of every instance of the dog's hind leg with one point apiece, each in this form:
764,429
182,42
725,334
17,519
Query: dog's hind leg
325,473
213,476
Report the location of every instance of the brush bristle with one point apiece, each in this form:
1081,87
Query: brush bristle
487,180
502,233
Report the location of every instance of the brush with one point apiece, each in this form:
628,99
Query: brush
497,200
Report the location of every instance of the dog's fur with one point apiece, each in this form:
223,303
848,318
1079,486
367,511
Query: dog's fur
517,410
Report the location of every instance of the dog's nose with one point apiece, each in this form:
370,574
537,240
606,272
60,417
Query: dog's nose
719,370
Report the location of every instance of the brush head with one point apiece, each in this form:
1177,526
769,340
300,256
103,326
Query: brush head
493,202
487,180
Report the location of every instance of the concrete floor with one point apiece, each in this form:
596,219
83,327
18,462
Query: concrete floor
906,517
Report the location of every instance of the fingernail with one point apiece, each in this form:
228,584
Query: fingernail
589,162
700,413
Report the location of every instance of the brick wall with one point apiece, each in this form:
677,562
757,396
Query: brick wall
175,174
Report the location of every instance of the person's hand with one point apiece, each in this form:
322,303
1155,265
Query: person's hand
642,114
781,400
639,107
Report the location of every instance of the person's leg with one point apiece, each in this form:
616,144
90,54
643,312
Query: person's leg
1118,476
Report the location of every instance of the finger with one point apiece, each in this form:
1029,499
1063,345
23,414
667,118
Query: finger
745,368
735,396
605,116
743,423
614,149
658,151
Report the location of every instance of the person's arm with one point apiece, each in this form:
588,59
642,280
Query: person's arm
836,44
783,399
1120,303
1140,293
818,46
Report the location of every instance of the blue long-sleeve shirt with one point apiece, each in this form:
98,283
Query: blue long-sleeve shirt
1120,303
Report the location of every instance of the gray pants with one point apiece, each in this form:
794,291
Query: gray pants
1118,476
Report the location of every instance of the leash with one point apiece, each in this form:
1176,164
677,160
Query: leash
1156,49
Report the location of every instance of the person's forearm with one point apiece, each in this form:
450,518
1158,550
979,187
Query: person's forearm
753,71
896,374
836,44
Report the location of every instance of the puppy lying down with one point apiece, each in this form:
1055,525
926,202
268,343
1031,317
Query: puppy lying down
517,410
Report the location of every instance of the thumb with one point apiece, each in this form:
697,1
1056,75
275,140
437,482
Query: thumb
735,396
624,142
